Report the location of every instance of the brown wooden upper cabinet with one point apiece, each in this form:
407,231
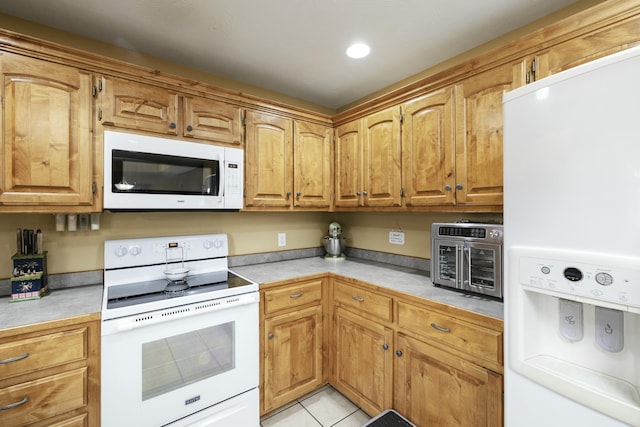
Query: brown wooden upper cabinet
368,170
138,106
288,163
47,150
428,149
268,160
478,164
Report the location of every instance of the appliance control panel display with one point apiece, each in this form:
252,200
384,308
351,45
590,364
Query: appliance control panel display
590,278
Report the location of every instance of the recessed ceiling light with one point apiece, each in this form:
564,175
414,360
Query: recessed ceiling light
358,50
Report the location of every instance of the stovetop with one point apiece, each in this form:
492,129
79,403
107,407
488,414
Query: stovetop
162,289
136,279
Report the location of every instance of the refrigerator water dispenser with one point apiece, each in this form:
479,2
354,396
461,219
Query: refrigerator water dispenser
575,320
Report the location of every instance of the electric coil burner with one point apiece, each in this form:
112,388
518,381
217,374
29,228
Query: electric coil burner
179,335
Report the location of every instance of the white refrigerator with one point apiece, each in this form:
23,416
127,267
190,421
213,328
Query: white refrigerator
572,247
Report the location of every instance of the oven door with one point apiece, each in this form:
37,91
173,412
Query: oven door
482,268
158,367
445,269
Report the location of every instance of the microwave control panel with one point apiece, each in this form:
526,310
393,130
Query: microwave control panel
586,277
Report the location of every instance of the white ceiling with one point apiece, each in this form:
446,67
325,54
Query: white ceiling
295,47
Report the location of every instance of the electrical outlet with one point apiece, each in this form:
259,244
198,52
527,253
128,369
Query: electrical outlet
396,237
282,239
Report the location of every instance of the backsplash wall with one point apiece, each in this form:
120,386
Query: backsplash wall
249,233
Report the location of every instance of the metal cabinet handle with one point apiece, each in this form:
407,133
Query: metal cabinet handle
447,187
14,359
288,194
356,298
298,295
189,128
385,346
458,186
440,328
270,336
13,405
358,193
172,125
364,193
298,194
399,353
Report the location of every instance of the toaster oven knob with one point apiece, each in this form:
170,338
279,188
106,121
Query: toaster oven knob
495,234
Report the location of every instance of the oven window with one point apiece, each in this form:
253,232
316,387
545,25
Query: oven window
483,267
134,172
447,265
171,363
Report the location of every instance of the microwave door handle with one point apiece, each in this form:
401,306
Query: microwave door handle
221,177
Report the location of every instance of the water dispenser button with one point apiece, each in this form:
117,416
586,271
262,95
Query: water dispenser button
609,329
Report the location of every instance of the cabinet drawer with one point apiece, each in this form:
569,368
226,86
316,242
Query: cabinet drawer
369,302
472,339
293,296
43,398
31,354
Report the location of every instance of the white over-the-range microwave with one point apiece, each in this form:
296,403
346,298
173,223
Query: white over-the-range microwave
145,173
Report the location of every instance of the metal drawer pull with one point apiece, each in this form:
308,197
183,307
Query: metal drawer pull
14,359
13,405
355,298
440,328
298,295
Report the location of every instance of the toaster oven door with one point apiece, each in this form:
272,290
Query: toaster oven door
482,268
446,259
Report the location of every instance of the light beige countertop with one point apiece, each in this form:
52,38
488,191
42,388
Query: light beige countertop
59,304
410,281
82,300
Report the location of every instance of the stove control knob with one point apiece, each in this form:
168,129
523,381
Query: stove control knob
495,234
207,244
217,243
135,250
120,251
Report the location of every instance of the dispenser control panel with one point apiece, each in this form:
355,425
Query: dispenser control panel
587,277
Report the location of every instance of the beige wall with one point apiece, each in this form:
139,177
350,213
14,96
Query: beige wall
249,233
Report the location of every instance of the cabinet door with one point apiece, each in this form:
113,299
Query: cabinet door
479,134
268,167
428,150
348,179
138,106
312,170
363,366
211,120
293,356
47,150
436,388
382,182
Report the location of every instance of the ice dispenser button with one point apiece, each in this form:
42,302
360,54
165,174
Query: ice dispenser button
571,320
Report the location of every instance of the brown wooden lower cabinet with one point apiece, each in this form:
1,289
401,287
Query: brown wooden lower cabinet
382,352
436,388
50,374
363,369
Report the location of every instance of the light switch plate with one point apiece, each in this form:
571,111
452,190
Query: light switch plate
282,239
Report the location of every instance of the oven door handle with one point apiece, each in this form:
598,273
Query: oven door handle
467,263
171,314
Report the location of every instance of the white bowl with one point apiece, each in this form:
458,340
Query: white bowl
124,186
175,274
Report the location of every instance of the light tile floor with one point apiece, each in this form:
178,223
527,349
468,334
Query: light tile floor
324,408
